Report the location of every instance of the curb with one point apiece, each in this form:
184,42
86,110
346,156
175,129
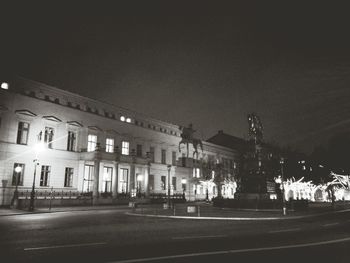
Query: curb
237,218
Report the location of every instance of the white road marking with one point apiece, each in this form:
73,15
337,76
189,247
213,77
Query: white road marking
65,246
347,239
285,230
331,224
198,237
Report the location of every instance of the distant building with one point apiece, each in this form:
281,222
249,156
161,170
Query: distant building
93,149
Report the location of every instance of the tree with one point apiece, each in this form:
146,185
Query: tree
218,173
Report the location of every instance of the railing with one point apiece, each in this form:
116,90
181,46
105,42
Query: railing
54,194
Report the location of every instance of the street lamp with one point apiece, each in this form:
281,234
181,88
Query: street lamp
169,168
37,148
18,170
282,184
183,182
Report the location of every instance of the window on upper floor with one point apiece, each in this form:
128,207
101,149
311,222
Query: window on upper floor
48,136
71,141
163,157
92,141
139,150
196,172
151,151
22,132
173,158
125,148
109,145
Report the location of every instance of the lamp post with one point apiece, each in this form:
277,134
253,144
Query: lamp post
37,148
14,202
282,184
169,167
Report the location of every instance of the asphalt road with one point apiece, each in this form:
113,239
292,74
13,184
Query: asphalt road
113,236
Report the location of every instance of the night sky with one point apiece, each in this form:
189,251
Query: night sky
208,63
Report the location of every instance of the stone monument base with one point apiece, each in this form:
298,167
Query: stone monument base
252,196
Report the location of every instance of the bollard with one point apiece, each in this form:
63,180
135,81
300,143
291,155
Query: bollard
284,210
174,210
199,210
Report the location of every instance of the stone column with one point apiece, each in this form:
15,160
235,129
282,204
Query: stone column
148,172
95,193
115,179
132,173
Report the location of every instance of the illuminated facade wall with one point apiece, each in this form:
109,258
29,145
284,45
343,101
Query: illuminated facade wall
92,146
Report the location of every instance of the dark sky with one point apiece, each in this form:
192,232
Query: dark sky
209,63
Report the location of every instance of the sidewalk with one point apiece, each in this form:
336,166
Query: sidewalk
11,212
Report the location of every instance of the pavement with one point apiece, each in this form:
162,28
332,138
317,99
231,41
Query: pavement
12,212
202,210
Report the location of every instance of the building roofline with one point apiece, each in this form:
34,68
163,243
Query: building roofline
133,112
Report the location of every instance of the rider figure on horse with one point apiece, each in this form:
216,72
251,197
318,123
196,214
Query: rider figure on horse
187,132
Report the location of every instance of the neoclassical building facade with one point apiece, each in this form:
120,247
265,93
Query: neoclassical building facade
76,146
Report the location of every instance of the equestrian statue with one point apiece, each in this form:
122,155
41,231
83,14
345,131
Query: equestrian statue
187,138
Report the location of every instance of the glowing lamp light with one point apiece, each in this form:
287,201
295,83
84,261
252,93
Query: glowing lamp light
122,118
39,147
4,85
139,178
278,180
128,120
18,169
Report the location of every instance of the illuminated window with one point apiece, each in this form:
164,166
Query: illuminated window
163,182
68,177
17,177
48,136
174,183
109,145
45,175
196,172
123,180
107,179
151,182
92,141
88,178
125,148
122,118
22,133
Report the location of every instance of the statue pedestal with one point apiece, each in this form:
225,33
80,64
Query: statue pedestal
252,196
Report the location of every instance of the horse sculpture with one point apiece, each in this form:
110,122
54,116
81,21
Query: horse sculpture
187,138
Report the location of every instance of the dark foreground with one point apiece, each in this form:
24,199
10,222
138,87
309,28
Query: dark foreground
113,236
